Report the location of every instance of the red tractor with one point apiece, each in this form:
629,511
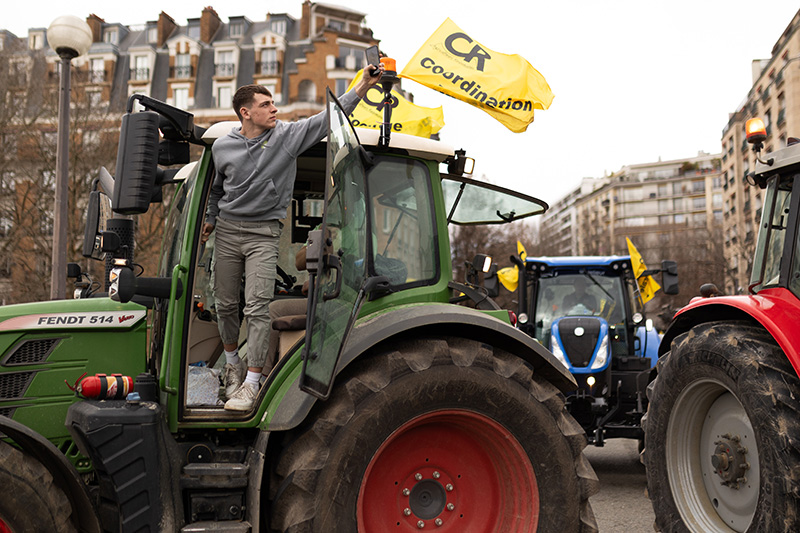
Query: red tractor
722,432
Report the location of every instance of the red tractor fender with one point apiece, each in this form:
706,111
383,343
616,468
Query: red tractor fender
776,310
64,474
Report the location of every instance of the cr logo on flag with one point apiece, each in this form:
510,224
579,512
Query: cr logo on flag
476,53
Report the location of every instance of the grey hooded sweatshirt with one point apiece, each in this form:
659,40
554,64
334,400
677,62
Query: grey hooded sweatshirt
255,177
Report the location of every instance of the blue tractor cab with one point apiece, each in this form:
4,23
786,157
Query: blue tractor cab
587,311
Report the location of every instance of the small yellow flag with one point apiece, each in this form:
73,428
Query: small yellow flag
647,285
521,250
509,277
505,86
406,117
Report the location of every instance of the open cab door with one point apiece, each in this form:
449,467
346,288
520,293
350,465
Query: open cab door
336,256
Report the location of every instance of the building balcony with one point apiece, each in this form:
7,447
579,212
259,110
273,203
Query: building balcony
269,68
181,72
140,74
224,70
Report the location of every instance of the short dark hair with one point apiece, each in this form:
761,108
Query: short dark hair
244,96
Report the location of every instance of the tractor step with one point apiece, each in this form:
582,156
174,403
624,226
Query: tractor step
227,526
214,475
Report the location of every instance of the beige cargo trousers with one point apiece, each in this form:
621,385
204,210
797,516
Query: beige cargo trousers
249,248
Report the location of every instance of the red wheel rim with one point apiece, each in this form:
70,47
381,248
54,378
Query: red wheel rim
4,527
450,470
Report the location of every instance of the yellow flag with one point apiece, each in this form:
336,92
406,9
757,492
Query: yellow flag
647,285
521,250
505,86
406,117
509,277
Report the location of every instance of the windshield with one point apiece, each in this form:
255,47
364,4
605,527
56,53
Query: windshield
587,294
404,247
470,202
772,233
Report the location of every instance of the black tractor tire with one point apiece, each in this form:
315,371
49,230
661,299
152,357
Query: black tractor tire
722,433
30,500
436,432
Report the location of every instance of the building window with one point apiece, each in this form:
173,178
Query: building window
36,41
224,97
269,62
152,35
194,32
141,68
337,25
95,98
111,36
225,65
236,29
341,86
307,91
181,98
278,26
97,71
350,58
183,66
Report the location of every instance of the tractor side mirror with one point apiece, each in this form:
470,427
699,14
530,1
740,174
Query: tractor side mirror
137,163
669,277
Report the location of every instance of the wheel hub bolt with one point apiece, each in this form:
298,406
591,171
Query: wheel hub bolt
448,487
418,476
438,522
450,506
436,475
420,524
406,492
407,511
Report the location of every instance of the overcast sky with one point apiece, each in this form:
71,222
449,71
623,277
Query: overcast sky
634,80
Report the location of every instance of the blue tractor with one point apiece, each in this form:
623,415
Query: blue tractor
588,311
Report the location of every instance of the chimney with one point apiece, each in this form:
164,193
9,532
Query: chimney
166,25
305,20
209,24
96,24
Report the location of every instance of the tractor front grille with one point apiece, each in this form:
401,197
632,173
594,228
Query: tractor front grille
579,348
30,352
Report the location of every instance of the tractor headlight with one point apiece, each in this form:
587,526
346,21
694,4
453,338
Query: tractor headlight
602,354
557,351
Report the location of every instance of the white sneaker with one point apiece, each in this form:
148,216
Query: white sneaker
243,399
232,377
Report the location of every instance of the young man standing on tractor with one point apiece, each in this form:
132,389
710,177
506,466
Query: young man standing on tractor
256,166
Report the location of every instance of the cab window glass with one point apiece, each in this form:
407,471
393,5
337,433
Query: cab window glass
404,245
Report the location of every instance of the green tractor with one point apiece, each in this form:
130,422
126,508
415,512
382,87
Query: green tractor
395,410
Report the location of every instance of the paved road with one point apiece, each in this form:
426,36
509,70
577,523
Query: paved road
622,504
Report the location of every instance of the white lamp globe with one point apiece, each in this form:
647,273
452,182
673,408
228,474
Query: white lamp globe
69,35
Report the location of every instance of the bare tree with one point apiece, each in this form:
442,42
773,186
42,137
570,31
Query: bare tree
28,126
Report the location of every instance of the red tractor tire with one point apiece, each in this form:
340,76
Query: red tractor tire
443,433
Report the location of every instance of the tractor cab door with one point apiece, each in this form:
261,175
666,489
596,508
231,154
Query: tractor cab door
338,283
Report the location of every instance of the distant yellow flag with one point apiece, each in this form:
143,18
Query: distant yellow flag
521,250
505,86
406,117
509,277
647,285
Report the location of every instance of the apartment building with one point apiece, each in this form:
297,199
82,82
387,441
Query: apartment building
669,209
775,97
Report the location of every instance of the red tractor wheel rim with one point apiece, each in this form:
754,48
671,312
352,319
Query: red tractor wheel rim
449,470
4,528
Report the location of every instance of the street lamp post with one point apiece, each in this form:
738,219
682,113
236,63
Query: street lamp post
70,37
